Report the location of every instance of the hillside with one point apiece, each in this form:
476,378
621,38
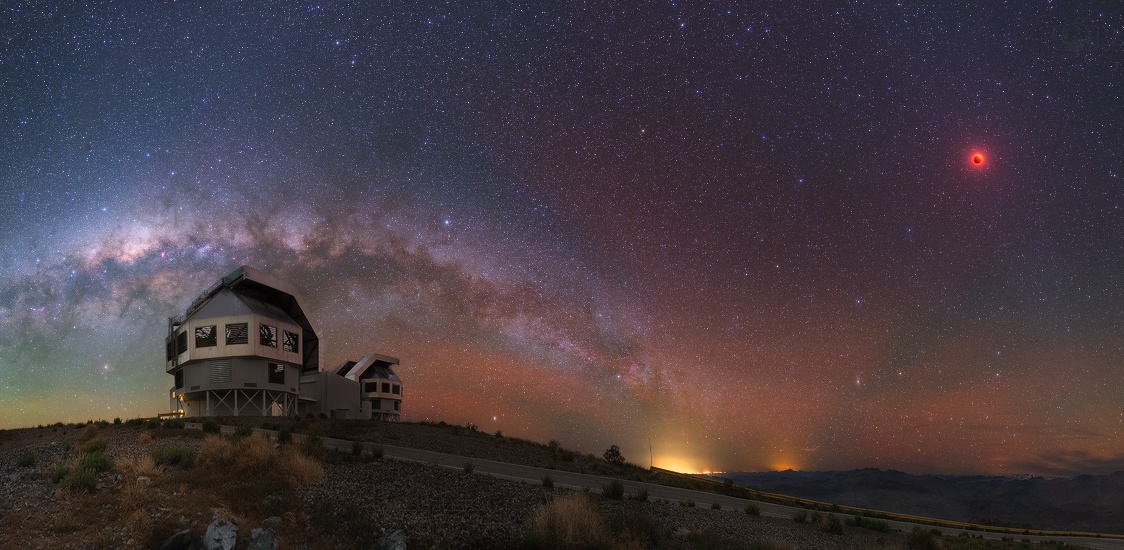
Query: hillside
135,485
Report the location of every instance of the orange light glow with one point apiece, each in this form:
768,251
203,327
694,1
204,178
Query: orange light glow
977,159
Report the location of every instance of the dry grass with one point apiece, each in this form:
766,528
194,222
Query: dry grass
571,521
301,468
145,438
90,432
217,450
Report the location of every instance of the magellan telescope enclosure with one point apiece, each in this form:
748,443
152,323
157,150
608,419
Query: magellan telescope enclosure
248,347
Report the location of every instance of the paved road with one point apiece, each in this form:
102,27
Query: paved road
702,499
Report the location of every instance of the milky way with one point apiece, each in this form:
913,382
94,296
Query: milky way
753,237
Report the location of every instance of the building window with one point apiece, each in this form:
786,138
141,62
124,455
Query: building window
291,342
206,337
376,404
168,349
370,387
276,373
238,333
397,405
396,389
181,342
179,378
386,387
268,335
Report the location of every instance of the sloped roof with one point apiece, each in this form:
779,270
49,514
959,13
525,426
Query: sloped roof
248,290
370,366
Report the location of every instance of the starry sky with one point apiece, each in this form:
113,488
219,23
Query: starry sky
749,235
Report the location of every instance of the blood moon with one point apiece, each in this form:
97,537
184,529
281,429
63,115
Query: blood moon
977,159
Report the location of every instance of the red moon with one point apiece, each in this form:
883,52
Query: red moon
977,159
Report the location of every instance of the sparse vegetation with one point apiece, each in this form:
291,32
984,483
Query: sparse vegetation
800,516
468,467
210,425
715,506
356,448
285,435
173,455
752,510
547,481
26,459
614,490
832,525
868,523
922,539
641,494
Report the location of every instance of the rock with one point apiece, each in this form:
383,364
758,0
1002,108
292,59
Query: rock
222,534
183,540
263,539
273,523
394,541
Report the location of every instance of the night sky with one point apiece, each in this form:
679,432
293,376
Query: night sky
752,234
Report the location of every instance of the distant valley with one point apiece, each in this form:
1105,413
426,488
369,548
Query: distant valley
1083,503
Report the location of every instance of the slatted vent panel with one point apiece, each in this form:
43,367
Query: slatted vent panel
221,372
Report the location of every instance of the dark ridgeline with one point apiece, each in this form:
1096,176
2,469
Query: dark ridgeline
1083,503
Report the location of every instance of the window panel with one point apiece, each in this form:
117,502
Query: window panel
291,342
386,387
238,333
268,335
181,342
206,337
179,378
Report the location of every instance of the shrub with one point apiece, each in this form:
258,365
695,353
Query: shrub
314,447
243,431
547,481
800,516
92,446
174,455
636,529
468,467
152,424
216,451
641,494
145,438
920,539
58,471
356,448
376,451
301,468
613,455
80,479
834,525
614,490
499,434
26,460
211,426
178,424
572,521
95,461
752,510
554,446
90,431
117,421
285,435
253,453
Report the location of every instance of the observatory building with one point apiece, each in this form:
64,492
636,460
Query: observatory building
247,347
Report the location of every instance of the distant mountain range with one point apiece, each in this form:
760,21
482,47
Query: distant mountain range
1083,503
